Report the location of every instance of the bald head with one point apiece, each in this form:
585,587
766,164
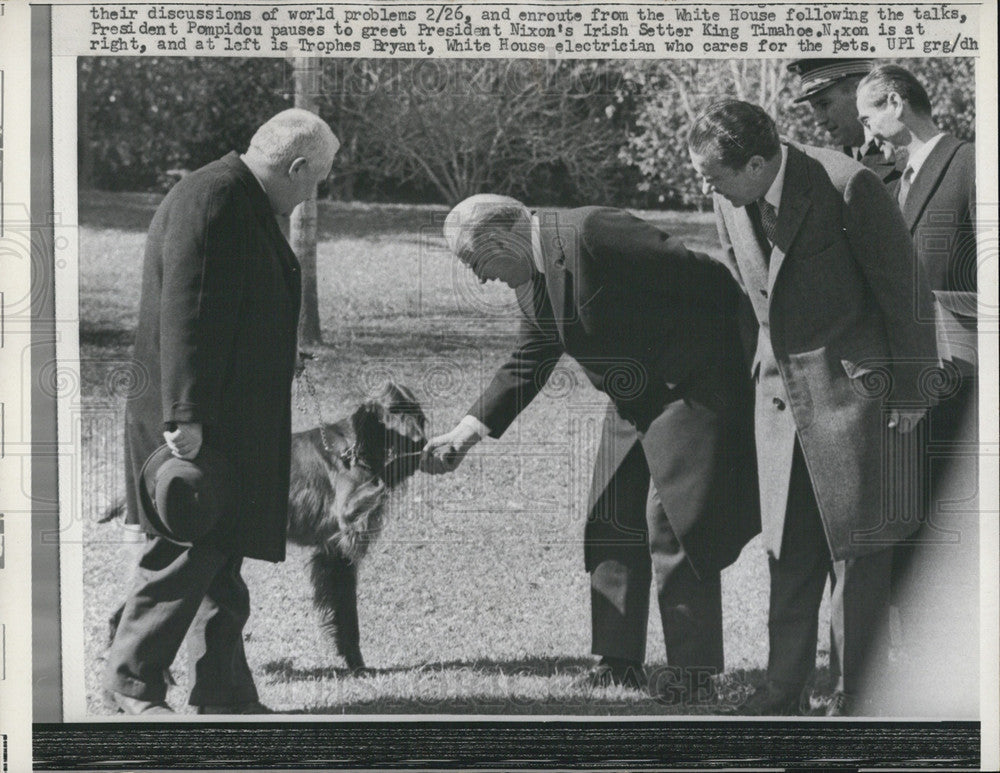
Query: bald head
492,235
290,154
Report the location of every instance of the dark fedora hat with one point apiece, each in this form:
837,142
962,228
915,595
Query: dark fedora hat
815,75
184,499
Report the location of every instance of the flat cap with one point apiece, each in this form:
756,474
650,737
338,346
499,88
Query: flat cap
818,74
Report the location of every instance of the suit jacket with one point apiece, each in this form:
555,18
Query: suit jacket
838,306
652,324
217,330
940,211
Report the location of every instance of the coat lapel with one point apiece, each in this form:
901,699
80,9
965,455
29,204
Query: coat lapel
928,178
559,257
792,210
267,219
752,260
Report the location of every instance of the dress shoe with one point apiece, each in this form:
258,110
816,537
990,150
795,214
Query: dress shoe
842,704
614,672
135,706
770,700
249,707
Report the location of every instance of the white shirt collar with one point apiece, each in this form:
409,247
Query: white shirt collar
536,244
918,157
773,195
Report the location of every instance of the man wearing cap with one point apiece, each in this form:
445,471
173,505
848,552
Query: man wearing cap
829,86
821,250
673,495
207,438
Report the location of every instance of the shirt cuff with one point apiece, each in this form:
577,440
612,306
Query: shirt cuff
471,422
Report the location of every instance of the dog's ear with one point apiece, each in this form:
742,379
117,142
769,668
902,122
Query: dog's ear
368,422
400,401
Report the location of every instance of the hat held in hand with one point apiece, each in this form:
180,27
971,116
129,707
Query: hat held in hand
184,498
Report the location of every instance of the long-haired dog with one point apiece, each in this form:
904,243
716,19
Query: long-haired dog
342,475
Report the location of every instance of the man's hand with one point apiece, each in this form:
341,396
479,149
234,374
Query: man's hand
904,421
445,452
185,441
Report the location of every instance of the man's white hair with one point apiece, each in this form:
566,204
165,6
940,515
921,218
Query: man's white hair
480,213
292,134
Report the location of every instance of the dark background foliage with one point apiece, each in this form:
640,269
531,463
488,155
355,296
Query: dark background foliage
551,132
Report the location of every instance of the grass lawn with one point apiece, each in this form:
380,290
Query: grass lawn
475,600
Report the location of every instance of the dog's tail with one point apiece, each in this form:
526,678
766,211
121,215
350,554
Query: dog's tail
117,510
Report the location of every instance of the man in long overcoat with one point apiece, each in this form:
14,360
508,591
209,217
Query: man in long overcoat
216,337
653,325
822,252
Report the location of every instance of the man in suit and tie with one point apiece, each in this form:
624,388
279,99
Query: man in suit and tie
218,319
937,189
821,250
937,195
829,86
674,493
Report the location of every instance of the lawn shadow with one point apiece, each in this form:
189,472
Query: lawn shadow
561,695
105,337
537,666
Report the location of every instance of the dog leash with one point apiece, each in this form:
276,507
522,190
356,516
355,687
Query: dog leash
350,456
302,376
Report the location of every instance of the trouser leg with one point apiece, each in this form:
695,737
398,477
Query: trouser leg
618,554
859,616
690,607
798,578
690,610
167,589
219,667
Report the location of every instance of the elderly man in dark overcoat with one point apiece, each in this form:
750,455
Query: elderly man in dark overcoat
822,252
216,337
674,496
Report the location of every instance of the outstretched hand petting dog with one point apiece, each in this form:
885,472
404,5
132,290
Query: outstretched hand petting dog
445,452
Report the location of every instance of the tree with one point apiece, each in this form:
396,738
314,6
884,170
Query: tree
303,220
460,127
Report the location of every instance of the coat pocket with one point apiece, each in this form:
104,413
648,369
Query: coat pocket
871,377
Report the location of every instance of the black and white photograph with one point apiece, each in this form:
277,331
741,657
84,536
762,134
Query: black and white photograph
512,453
590,389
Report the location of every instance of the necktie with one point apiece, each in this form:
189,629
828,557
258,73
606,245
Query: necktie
904,186
768,218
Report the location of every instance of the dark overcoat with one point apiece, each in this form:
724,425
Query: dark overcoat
844,332
216,341
653,325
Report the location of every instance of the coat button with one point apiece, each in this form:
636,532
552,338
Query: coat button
778,403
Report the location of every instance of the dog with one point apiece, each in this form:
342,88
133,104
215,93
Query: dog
342,475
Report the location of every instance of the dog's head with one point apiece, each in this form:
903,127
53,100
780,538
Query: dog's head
389,434
390,431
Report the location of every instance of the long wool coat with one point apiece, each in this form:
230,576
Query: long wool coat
217,338
653,325
844,331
